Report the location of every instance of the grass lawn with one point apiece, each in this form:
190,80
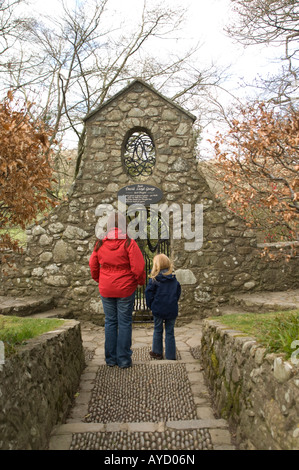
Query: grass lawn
276,330
14,331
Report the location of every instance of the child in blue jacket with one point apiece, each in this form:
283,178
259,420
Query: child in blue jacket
162,294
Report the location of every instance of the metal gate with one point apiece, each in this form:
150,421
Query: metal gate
141,313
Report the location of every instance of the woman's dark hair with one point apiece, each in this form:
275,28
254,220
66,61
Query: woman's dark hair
115,220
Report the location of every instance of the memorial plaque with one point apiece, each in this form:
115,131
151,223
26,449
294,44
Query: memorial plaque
144,194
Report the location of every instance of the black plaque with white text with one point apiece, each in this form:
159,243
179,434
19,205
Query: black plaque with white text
144,194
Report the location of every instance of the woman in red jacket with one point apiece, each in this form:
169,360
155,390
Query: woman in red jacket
117,265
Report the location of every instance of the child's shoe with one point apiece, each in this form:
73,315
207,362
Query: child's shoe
155,355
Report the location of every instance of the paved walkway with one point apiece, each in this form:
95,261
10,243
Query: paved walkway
154,405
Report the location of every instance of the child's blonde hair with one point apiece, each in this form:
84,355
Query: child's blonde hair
160,262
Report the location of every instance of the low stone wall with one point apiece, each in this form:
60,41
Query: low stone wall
257,393
37,387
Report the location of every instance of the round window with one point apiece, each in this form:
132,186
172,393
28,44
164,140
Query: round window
139,154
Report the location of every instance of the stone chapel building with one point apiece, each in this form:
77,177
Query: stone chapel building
55,263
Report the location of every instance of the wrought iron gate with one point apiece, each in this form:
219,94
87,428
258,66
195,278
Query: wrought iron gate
142,313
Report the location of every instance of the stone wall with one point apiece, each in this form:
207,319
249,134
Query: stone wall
58,249
37,387
257,393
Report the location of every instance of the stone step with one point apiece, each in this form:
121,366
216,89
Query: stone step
260,302
142,317
54,313
209,433
25,306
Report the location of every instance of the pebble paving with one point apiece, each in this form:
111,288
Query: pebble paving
144,393
153,405
198,439
142,354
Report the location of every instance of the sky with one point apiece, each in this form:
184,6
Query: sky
205,20
204,23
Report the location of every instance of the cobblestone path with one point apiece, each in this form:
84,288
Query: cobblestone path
154,405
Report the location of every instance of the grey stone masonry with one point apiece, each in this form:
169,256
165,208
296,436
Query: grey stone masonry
56,259
37,387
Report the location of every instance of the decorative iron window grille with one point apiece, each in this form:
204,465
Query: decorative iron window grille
139,154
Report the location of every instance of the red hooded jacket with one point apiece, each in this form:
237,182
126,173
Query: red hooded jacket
118,268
